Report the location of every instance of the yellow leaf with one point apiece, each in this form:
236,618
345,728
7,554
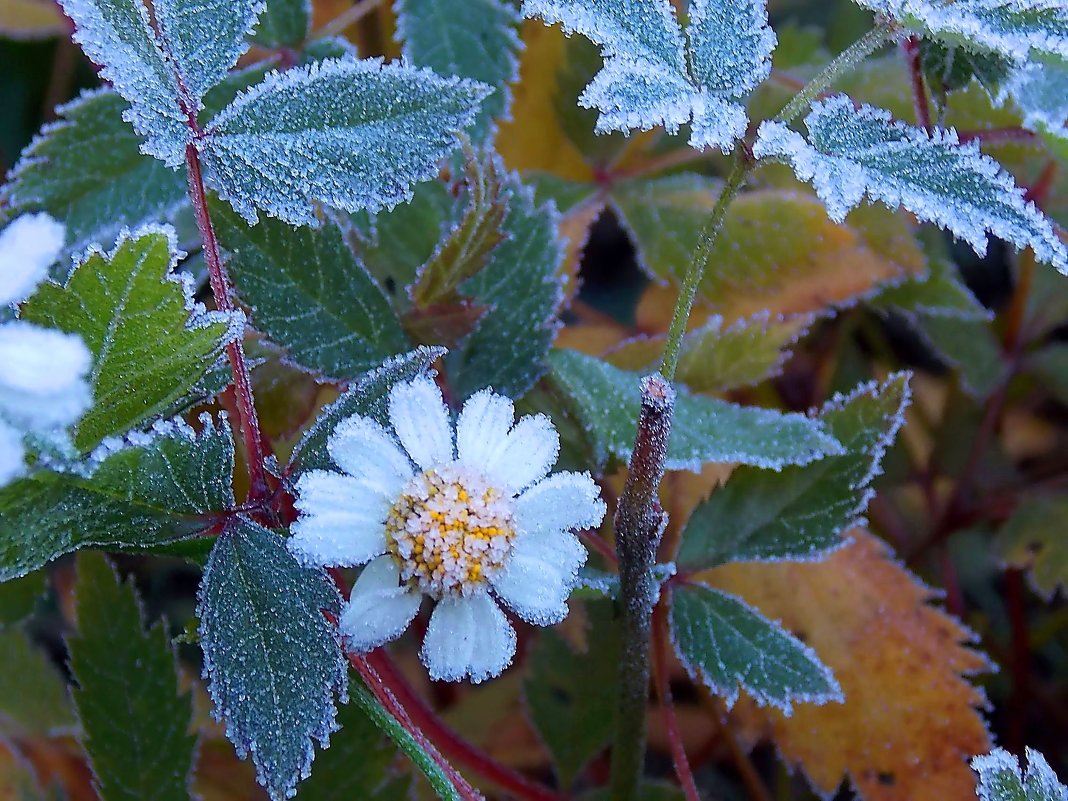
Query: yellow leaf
31,19
910,721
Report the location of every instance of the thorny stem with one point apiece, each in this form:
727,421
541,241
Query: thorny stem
248,421
639,524
663,691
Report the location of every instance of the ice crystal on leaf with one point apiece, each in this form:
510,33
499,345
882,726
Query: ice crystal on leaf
1000,778
465,516
42,371
654,75
328,133
1038,88
851,153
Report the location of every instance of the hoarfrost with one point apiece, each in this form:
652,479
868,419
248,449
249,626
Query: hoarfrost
1000,778
1038,88
852,153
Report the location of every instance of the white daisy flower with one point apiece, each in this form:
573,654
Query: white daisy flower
42,371
468,523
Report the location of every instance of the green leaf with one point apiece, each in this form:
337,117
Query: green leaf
285,23
309,294
117,35
571,696
1033,540
1038,90
475,39
522,289
150,491
33,696
851,153
940,293
968,346
135,725
723,643
151,344
607,400
272,660
86,171
949,68
367,398
437,778
19,597
800,513
358,762
325,133
466,249
1000,778
714,358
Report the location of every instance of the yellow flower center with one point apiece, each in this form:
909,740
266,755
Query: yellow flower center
450,531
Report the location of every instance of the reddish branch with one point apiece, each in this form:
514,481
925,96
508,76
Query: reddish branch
911,48
667,708
996,136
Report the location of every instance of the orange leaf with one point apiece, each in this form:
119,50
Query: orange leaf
910,721
31,19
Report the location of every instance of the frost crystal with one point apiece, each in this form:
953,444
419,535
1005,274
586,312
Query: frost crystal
42,371
852,153
1000,778
652,75
328,133
1038,88
472,522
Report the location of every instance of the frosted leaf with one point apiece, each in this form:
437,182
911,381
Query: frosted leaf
272,660
652,76
116,34
328,133
204,39
1038,88
1015,29
29,245
285,23
1000,778
134,493
730,47
852,153
86,169
475,39
724,642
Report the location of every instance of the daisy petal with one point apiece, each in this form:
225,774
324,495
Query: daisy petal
364,450
562,502
343,521
379,608
11,454
28,247
43,383
529,451
539,576
482,428
419,417
468,637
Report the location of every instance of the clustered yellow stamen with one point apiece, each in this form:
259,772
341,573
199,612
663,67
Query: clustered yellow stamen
450,531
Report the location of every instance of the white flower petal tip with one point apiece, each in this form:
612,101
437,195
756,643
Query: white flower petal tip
482,428
528,454
562,502
28,247
539,576
11,454
468,637
421,420
367,452
379,607
43,384
342,521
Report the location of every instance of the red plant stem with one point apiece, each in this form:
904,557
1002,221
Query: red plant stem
388,700
603,548
449,742
994,136
911,48
248,421
1039,190
667,708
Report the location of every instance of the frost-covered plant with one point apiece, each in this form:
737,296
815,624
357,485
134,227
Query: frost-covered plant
319,337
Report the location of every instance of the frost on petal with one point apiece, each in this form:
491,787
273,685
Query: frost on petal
42,383
11,454
854,152
28,247
468,637
482,428
539,575
366,451
529,452
418,414
379,608
562,502
342,522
